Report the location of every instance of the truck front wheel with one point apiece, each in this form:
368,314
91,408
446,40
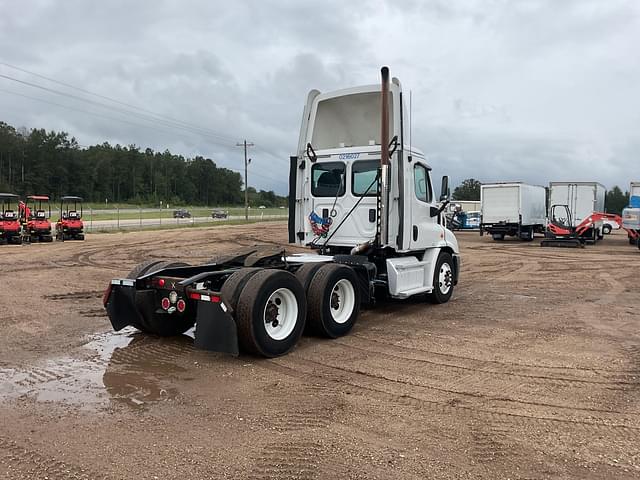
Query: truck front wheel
271,313
334,300
442,279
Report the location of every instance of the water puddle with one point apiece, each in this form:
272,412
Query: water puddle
125,367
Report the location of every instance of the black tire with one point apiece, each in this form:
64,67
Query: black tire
497,236
606,229
232,287
252,310
440,293
322,296
632,241
80,236
306,272
143,268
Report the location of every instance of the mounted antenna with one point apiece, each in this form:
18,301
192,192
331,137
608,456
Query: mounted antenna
383,213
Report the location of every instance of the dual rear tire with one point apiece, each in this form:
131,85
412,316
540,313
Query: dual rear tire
272,307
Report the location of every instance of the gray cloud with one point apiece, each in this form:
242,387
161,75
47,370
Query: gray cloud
533,91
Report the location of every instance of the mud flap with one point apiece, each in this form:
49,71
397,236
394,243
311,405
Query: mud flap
215,329
121,307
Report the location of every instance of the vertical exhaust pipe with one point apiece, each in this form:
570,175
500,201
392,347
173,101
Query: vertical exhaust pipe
383,214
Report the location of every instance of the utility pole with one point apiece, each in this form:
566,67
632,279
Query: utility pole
247,161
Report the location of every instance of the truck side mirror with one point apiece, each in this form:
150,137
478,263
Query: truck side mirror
445,193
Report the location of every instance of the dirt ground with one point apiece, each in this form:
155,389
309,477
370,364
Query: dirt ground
532,370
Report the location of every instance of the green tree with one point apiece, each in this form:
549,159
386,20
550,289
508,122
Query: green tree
469,189
616,200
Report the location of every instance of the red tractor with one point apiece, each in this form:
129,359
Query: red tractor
561,232
69,226
9,221
34,216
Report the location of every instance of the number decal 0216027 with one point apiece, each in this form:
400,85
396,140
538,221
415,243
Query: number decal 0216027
348,156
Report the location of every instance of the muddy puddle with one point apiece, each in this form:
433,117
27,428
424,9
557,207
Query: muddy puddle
125,367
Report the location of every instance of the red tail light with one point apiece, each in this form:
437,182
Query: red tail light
181,305
165,303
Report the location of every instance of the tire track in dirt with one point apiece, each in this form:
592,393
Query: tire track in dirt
474,365
505,364
25,462
384,390
299,454
475,389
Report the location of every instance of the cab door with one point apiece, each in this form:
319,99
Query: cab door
425,230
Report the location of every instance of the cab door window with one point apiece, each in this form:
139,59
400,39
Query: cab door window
422,183
327,179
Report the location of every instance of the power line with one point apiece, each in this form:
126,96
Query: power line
107,117
114,100
179,123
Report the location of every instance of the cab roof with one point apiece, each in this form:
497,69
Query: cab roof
38,197
8,196
67,198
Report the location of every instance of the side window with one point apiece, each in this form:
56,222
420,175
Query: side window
422,183
363,178
327,179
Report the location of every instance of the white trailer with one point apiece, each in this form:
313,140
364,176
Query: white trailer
514,209
582,198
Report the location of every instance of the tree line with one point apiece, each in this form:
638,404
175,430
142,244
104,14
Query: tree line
615,199
52,163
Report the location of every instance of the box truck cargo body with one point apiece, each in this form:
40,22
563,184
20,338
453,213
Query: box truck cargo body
631,214
514,209
582,198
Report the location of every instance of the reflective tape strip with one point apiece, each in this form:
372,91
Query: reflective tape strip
123,282
223,306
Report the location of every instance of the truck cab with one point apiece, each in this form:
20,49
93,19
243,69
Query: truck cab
336,183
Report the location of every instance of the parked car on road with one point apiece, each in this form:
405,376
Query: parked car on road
181,213
219,214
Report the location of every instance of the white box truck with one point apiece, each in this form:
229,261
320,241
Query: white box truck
582,199
631,214
514,209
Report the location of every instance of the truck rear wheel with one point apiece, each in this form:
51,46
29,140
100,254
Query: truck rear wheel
606,229
334,300
497,236
233,286
271,313
442,279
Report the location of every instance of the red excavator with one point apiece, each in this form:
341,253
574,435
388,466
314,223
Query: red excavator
561,232
69,226
9,222
35,219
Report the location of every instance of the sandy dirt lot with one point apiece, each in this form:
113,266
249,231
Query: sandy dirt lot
531,371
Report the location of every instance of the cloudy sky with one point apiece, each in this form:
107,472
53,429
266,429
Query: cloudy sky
535,91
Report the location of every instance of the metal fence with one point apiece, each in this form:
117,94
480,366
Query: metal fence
144,218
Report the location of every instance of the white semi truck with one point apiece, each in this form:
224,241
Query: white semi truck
514,209
582,199
360,197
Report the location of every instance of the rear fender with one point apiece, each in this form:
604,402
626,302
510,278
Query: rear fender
215,328
121,304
